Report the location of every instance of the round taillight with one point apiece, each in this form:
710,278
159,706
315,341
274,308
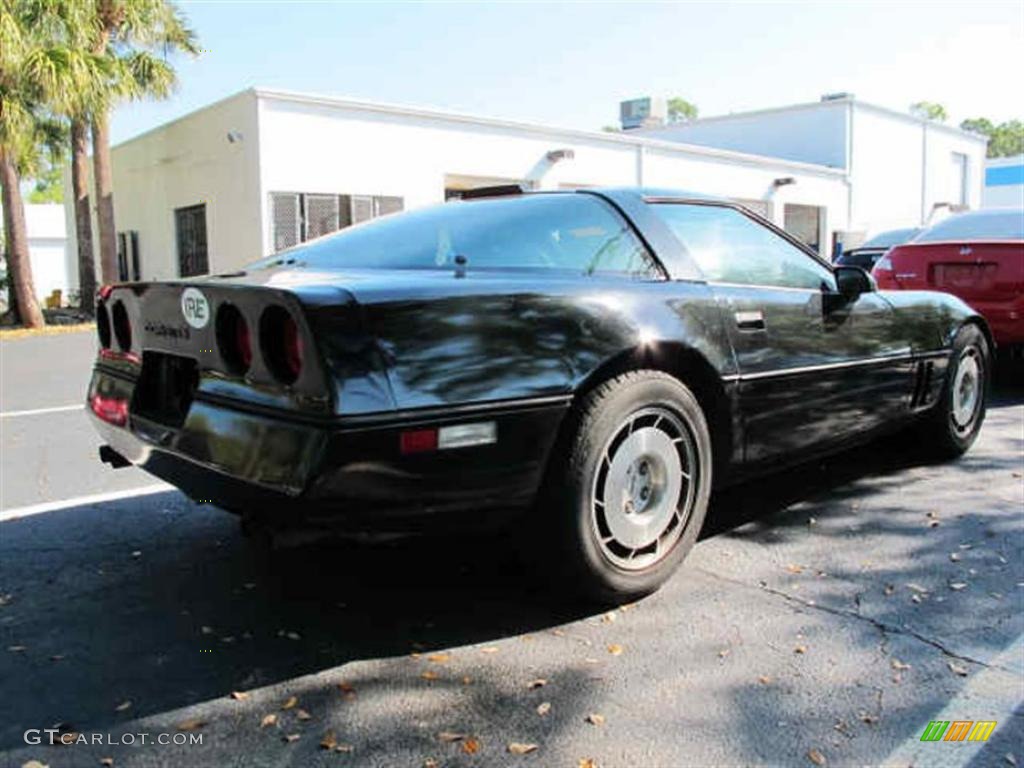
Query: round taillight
233,339
281,344
122,328
103,325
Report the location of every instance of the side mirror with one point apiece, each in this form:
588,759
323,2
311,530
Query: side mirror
851,282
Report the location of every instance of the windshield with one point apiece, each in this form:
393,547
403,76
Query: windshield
577,233
978,225
890,238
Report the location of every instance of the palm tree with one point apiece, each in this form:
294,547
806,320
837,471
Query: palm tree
129,33
39,75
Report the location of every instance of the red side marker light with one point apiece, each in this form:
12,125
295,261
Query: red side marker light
418,441
112,410
104,291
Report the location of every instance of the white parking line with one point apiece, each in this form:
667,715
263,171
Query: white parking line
993,693
37,411
79,501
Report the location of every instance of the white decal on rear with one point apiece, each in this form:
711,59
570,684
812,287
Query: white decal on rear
195,307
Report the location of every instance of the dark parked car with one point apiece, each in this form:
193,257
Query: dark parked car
866,254
978,256
587,364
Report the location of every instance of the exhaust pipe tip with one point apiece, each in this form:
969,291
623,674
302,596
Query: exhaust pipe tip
109,456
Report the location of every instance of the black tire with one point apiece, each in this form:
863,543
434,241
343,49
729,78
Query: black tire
595,564
945,433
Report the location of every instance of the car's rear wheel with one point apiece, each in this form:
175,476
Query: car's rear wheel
629,485
956,419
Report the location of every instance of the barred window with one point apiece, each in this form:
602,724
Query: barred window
296,217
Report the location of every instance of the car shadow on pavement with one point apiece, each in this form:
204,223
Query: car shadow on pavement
157,603
924,576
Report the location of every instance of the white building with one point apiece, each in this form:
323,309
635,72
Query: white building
262,170
900,168
48,250
1004,183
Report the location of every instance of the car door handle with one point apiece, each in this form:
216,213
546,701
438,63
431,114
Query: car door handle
750,321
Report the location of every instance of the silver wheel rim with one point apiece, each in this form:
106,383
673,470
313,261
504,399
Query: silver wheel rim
967,384
644,488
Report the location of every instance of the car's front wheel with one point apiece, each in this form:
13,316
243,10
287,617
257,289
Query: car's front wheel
956,419
629,488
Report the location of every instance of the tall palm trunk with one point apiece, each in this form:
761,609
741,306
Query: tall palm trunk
83,218
104,197
19,266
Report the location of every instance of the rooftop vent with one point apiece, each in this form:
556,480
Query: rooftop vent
839,96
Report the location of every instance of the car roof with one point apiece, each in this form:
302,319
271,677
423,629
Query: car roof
662,193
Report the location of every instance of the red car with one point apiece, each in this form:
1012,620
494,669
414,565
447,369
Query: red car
977,256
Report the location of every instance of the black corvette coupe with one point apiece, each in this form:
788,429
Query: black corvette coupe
587,363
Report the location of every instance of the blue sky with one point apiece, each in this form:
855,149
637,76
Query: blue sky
569,64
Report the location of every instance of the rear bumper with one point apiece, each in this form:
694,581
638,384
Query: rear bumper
346,472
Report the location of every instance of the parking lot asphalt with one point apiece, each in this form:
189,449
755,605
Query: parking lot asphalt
826,617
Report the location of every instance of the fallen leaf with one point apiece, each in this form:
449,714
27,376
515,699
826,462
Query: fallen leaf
587,762
466,679
764,679
17,648
517,748
450,736
540,682
123,706
889,589
1008,757
609,617
870,719
794,568
107,761
615,649
800,649
917,588
430,763
899,665
723,653
34,764
543,708
289,738
470,746
190,725
346,687
291,703
439,658
239,695
301,714
956,586
915,598
595,719
329,741
954,557
489,649
268,720
816,757
428,675
958,669
343,747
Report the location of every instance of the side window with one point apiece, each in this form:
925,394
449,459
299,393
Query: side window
570,232
730,247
